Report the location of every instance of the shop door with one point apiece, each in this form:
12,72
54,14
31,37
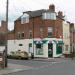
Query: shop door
50,50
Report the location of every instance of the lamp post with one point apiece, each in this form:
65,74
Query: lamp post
6,33
32,54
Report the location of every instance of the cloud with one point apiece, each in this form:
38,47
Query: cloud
2,9
16,7
11,25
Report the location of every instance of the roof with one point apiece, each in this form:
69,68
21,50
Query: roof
61,18
35,13
11,31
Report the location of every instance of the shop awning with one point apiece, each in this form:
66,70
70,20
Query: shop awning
40,42
55,41
47,41
61,42
44,41
58,42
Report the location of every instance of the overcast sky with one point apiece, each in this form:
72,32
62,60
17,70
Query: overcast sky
16,7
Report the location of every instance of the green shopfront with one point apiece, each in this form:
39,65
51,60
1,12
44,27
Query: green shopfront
59,47
48,48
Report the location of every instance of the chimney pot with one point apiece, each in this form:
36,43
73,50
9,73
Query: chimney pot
52,7
60,14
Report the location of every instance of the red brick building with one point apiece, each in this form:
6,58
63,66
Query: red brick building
37,26
2,33
3,27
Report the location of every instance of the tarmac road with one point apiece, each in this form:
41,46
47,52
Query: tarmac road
66,67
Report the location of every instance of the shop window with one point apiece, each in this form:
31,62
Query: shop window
58,49
39,49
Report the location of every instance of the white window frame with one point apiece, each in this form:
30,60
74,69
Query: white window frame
49,15
50,30
20,35
30,33
25,19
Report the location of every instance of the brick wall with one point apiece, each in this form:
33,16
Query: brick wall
3,27
2,33
38,23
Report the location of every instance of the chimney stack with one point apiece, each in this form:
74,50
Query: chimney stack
60,14
52,7
71,26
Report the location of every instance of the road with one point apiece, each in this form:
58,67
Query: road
31,63
66,67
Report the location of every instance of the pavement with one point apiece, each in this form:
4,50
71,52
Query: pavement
14,68
52,59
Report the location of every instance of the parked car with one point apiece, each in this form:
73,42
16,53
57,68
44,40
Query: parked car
20,54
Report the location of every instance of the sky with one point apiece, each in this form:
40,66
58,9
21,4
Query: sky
16,7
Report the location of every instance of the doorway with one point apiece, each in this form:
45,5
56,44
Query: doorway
50,50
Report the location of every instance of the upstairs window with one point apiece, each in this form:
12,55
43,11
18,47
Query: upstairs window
25,19
41,32
50,31
66,47
49,15
30,34
53,16
66,36
20,35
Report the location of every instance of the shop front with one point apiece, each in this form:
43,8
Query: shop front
48,48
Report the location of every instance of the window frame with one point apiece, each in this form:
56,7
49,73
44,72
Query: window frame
41,31
49,16
30,34
20,35
25,19
50,31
